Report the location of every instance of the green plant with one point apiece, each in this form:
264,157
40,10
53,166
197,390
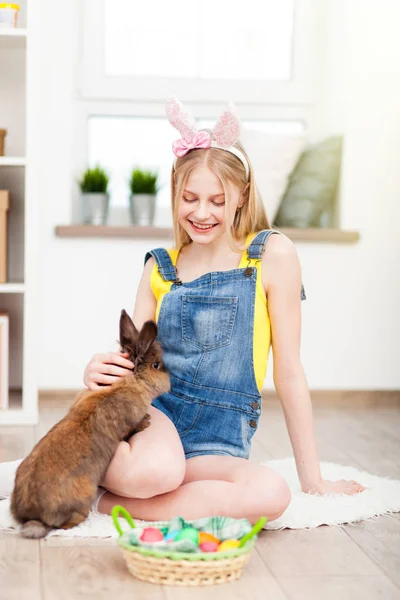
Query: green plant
143,182
94,181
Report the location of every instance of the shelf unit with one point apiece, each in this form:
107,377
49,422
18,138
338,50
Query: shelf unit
20,32
9,161
20,115
12,288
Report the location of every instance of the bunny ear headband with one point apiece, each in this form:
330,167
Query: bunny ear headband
226,131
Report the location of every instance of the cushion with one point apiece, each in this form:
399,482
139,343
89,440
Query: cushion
273,158
312,186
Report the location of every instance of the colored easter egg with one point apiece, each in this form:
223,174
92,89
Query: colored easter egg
171,536
189,533
208,547
228,545
151,534
207,537
133,540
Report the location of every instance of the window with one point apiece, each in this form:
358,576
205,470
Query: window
200,51
257,54
120,143
199,39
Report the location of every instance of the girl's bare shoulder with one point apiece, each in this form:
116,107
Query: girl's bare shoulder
280,262
278,245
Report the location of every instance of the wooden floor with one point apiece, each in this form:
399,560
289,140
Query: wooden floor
350,562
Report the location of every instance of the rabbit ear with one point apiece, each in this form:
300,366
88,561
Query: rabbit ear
181,119
147,335
227,129
128,334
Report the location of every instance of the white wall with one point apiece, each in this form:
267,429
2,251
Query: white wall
350,320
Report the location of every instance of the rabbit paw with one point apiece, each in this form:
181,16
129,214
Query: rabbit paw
144,423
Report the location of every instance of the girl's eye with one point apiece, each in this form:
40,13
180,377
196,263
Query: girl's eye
190,200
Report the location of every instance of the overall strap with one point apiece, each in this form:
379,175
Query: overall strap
257,247
164,263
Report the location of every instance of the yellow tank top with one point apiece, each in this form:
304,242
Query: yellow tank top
262,326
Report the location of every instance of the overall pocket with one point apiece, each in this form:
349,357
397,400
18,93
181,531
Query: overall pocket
208,321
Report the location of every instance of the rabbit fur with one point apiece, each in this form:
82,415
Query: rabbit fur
56,484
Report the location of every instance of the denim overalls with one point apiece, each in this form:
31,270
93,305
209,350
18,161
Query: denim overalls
205,328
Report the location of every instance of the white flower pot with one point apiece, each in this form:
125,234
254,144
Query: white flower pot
95,208
142,209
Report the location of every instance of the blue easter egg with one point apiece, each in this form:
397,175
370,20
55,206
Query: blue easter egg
171,536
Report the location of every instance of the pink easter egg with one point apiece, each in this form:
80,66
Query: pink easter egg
208,547
151,534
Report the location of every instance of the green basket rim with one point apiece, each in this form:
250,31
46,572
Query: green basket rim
191,556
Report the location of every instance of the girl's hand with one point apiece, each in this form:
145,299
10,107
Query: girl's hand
335,487
106,368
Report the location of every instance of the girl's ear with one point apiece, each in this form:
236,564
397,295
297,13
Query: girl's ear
128,334
147,335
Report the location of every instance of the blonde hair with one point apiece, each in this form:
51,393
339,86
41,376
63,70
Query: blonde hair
251,217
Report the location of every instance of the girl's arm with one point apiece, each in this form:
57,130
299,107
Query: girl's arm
281,276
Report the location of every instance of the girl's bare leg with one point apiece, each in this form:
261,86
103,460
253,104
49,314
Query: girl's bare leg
213,485
151,463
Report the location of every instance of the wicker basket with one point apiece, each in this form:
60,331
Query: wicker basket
169,571
181,568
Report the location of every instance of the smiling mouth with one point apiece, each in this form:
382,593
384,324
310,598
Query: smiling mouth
200,227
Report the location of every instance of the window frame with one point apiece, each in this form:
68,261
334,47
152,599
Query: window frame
94,84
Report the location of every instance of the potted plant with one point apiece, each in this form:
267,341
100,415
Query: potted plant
95,197
143,186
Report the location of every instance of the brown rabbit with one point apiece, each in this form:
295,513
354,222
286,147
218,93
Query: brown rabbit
56,484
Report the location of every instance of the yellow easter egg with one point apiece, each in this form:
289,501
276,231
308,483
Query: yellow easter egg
228,545
207,537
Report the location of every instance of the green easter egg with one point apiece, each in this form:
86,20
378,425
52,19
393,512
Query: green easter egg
189,533
164,530
133,539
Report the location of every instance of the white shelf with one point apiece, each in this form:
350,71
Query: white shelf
15,416
13,39
12,161
12,288
16,32
20,411
21,49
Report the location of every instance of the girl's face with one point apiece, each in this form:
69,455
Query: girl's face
201,210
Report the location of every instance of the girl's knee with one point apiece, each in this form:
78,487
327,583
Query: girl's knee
270,497
158,476
154,476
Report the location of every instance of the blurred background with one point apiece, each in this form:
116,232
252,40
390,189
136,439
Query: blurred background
83,85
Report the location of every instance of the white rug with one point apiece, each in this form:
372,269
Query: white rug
382,496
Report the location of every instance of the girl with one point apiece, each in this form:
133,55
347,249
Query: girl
228,291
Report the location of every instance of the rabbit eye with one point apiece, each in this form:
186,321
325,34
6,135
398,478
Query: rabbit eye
156,365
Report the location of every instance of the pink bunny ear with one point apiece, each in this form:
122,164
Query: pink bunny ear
227,129
181,119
